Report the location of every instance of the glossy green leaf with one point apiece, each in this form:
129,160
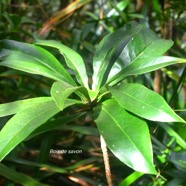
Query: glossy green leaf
92,94
131,179
72,58
109,50
17,177
143,102
144,65
141,55
126,135
23,62
25,122
32,59
7,109
60,92
145,44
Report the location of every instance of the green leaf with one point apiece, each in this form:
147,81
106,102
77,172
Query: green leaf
18,177
60,91
141,55
7,109
118,8
126,135
131,179
32,59
72,58
145,44
143,102
144,65
23,62
55,124
26,121
109,50
23,123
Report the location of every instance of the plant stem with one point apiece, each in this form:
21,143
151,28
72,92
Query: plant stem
106,161
157,81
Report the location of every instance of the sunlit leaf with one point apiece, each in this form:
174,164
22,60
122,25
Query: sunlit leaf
143,102
72,58
145,65
131,178
24,63
142,55
25,122
19,106
61,91
126,135
109,50
32,59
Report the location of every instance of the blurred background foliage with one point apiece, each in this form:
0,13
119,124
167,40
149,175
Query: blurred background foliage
81,24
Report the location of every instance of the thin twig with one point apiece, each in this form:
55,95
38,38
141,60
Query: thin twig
106,161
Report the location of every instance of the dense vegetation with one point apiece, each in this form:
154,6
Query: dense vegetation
70,124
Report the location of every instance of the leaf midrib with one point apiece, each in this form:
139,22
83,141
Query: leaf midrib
139,101
50,67
79,73
21,102
121,74
143,51
35,71
125,133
